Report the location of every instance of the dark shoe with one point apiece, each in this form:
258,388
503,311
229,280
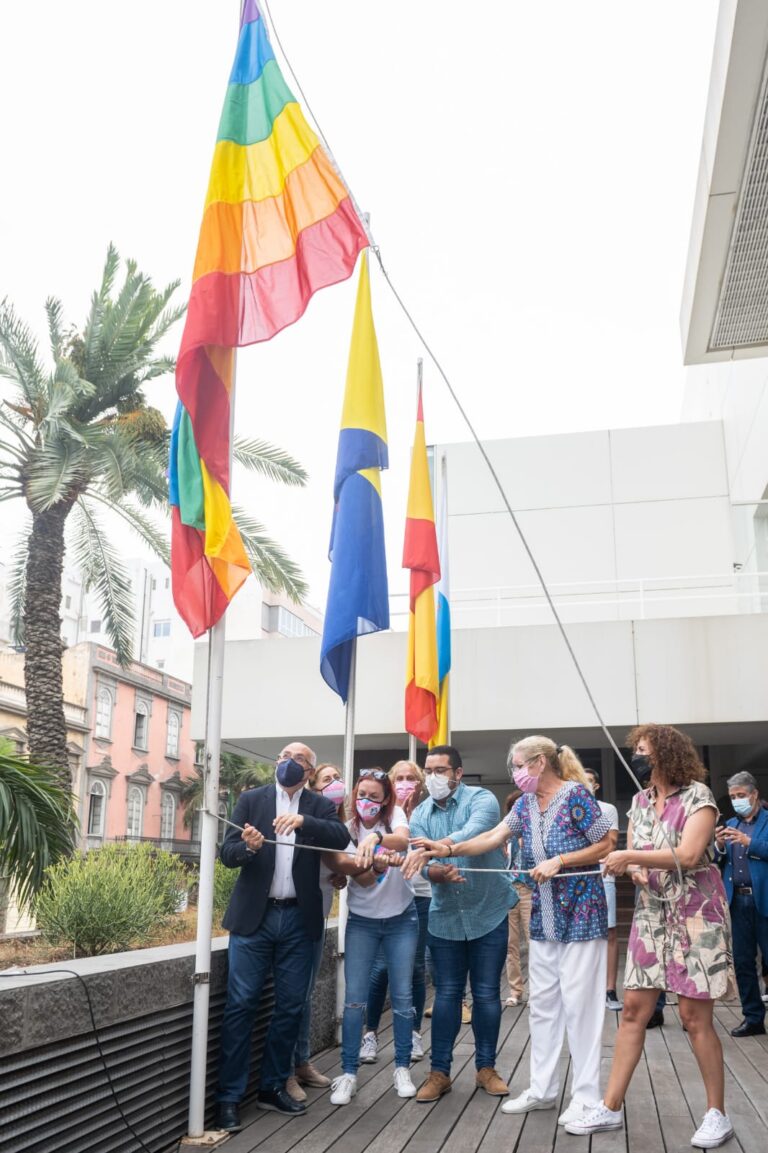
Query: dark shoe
228,1117
749,1029
656,1020
278,1101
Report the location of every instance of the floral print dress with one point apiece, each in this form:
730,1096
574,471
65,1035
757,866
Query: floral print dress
567,908
682,944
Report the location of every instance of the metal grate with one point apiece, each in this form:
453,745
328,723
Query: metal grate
56,1099
742,314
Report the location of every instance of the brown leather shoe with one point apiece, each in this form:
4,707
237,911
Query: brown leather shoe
294,1090
490,1080
436,1086
309,1075
466,1014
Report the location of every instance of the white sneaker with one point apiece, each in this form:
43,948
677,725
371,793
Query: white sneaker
575,1111
417,1046
596,1118
612,1002
404,1086
526,1102
343,1089
714,1130
369,1050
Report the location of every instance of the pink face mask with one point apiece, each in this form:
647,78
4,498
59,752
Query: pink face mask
334,791
404,790
525,781
367,810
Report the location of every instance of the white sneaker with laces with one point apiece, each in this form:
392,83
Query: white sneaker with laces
612,1002
596,1118
575,1111
417,1046
526,1102
404,1086
714,1130
343,1089
369,1050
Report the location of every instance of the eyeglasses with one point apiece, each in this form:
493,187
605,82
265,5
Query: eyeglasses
299,757
440,770
377,774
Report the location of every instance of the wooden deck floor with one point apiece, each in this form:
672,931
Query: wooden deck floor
664,1105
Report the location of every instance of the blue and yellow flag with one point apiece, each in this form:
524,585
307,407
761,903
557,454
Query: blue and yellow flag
358,600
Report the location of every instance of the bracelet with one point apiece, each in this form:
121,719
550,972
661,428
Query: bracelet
562,862
378,833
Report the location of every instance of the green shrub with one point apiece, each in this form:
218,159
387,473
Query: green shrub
224,881
111,899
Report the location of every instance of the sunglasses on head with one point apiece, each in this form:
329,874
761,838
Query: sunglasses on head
377,774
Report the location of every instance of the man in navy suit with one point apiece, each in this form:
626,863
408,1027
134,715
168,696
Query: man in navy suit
274,916
742,844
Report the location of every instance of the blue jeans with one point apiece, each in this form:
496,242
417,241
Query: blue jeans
301,1053
483,959
396,938
377,991
750,933
280,947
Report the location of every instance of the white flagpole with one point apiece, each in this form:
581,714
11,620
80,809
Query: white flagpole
348,767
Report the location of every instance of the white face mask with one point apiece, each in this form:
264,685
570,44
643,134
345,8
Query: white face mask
438,786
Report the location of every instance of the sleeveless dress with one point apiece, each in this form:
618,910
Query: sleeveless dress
683,945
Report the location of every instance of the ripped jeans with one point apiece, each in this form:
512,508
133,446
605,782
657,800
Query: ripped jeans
396,937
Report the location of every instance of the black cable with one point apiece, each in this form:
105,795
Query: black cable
97,1039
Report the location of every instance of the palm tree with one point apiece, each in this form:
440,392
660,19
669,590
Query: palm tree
79,441
236,773
36,824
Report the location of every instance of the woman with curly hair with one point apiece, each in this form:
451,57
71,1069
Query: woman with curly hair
562,832
681,931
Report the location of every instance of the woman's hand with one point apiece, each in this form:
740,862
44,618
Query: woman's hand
287,823
414,863
366,849
546,870
338,881
616,863
434,848
638,876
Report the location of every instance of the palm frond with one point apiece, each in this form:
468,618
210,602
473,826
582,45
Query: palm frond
103,569
18,351
56,471
54,310
272,566
272,462
145,529
16,585
36,824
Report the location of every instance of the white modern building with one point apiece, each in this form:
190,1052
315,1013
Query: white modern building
653,541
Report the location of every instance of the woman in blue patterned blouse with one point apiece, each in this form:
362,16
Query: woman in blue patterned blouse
563,832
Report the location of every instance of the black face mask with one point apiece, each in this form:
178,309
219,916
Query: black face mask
289,773
641,766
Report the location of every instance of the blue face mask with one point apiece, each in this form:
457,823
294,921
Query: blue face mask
742,806
289,773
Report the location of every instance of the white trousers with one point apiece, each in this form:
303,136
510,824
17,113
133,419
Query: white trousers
567,995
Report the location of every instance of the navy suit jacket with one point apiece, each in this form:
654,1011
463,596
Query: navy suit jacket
321,827
757,855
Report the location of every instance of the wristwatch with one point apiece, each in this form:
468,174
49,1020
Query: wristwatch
378,833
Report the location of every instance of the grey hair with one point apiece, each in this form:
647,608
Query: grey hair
742,780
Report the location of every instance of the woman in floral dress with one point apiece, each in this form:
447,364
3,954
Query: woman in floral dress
681,935
563,832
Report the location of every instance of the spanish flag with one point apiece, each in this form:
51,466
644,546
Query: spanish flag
420,555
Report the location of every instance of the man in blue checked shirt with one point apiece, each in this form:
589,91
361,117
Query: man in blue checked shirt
467,920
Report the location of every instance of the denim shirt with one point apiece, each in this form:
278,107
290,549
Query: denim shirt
464,912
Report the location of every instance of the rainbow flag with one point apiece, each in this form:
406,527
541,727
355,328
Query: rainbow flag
358,599
420,555
441,736
278,225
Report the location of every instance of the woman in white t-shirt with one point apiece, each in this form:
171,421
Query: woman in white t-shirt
382,918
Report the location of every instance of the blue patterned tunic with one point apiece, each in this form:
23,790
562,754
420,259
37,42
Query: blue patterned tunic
565,908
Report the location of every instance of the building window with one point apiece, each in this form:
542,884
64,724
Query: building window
168,817
96,805
172,736
194,833
95,626
67,602
200,753
167,582
135,811
104,714
161,629
141,726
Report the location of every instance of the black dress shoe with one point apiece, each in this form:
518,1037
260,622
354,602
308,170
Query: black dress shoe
656,1019
228,1117
279,1102
749,1029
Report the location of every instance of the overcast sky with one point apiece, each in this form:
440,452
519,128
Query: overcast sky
529,168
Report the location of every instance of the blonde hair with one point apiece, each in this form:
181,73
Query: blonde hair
417,772
561,759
